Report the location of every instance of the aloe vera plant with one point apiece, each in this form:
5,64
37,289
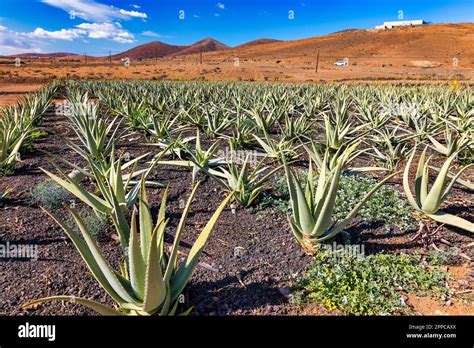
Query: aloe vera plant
242,134
199,158
346,153
18,122
151,279
217,121
296,127
117,191
428,202
454,142
11,139
160,127
390,148
277,149
246,183
96,134
312,208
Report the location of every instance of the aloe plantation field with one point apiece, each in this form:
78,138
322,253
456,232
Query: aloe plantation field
234,198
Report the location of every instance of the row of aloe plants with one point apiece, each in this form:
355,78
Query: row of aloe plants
281,124
18,122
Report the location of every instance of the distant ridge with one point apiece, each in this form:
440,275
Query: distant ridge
41,55
258,42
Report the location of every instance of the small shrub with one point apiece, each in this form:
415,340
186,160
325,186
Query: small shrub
385,205
373,285
97,224
27,145
39,134
49,194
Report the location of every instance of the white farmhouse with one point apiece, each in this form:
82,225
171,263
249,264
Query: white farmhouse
390,25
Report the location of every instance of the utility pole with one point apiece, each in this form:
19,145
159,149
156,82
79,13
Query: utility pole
317,62
200,56
85,57
110,57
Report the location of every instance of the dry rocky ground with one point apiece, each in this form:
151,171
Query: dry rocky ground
244,282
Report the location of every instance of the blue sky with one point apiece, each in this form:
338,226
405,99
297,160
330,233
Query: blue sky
97,26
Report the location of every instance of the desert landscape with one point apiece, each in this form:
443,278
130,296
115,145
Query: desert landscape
328,175
431,53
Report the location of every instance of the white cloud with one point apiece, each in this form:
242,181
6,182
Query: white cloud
63,34
196,16
217,14
135,6
110,31
220,5
133,13
91,10
12,42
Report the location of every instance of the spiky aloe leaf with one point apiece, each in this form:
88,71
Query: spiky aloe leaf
302,213
121,288
325,206
420,183
181,277
136,262
155,285
146,221
95,306
452,220
433,199
173,258
89,258
90,199
455,179
406,183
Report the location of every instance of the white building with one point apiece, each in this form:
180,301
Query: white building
390,25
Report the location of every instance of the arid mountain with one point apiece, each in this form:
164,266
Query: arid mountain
155,49
206,45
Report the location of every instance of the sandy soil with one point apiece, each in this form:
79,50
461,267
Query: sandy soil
10,93
246,71
461,304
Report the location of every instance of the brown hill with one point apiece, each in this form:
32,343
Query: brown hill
258,42
149,50
435,42
206,45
